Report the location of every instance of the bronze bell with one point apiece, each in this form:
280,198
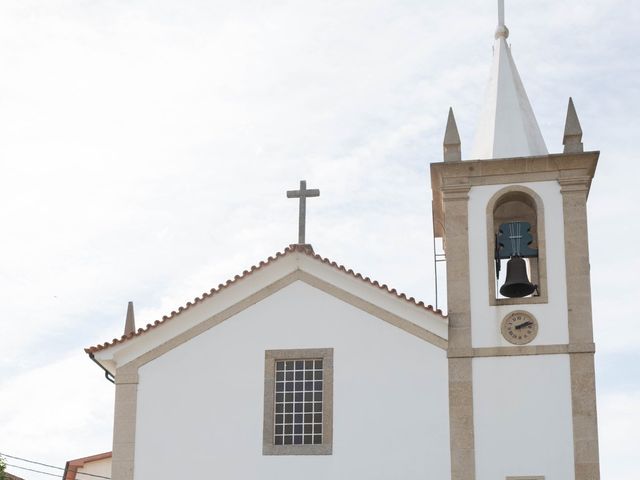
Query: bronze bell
517,283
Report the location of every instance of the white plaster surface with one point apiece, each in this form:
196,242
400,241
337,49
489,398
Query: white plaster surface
200,406
507,126
523,417
123,353
552,316
98,467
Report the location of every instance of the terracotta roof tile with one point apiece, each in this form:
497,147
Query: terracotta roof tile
292,248
9,476
72,466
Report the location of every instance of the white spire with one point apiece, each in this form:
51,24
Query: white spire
508,126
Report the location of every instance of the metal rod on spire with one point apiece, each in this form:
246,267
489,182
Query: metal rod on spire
501,31
500,13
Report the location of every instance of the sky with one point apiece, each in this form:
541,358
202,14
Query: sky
146,148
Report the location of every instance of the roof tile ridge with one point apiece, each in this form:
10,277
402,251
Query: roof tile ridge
196,300
368,280
222,286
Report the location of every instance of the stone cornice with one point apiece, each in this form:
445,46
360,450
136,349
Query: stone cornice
452,180
521,350
494,171
575,184
456,192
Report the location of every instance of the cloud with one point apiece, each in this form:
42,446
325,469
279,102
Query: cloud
56,412
618,421
147,147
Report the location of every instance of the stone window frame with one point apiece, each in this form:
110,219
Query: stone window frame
270,358
538,206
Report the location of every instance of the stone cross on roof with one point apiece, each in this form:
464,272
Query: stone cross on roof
302,194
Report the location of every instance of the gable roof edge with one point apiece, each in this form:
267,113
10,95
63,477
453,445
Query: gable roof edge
166,345
411,327
301,249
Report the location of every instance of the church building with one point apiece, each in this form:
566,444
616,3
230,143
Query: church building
302,368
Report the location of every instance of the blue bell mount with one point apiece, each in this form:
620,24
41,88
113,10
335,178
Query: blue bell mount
513,240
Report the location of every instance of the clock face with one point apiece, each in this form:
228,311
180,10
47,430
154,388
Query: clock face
519,327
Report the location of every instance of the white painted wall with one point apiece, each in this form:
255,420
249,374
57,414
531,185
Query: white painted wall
522,417
522,404
200,406
125,352
552,317
99,467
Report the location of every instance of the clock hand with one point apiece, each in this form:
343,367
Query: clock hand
525,324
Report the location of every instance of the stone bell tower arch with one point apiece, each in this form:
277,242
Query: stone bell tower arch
521,368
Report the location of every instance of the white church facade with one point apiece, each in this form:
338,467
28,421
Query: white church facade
300,367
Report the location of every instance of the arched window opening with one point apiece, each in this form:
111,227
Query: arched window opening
515,237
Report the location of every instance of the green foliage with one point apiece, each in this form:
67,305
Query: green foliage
3,466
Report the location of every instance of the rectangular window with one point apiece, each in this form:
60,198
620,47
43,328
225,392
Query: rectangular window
298,402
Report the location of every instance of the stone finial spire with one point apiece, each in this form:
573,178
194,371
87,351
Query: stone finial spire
572,139
508,126
130,322
451,144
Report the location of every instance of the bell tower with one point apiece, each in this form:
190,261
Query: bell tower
513,220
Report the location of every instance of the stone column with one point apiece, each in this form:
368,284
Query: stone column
455,203
124,425
583,389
